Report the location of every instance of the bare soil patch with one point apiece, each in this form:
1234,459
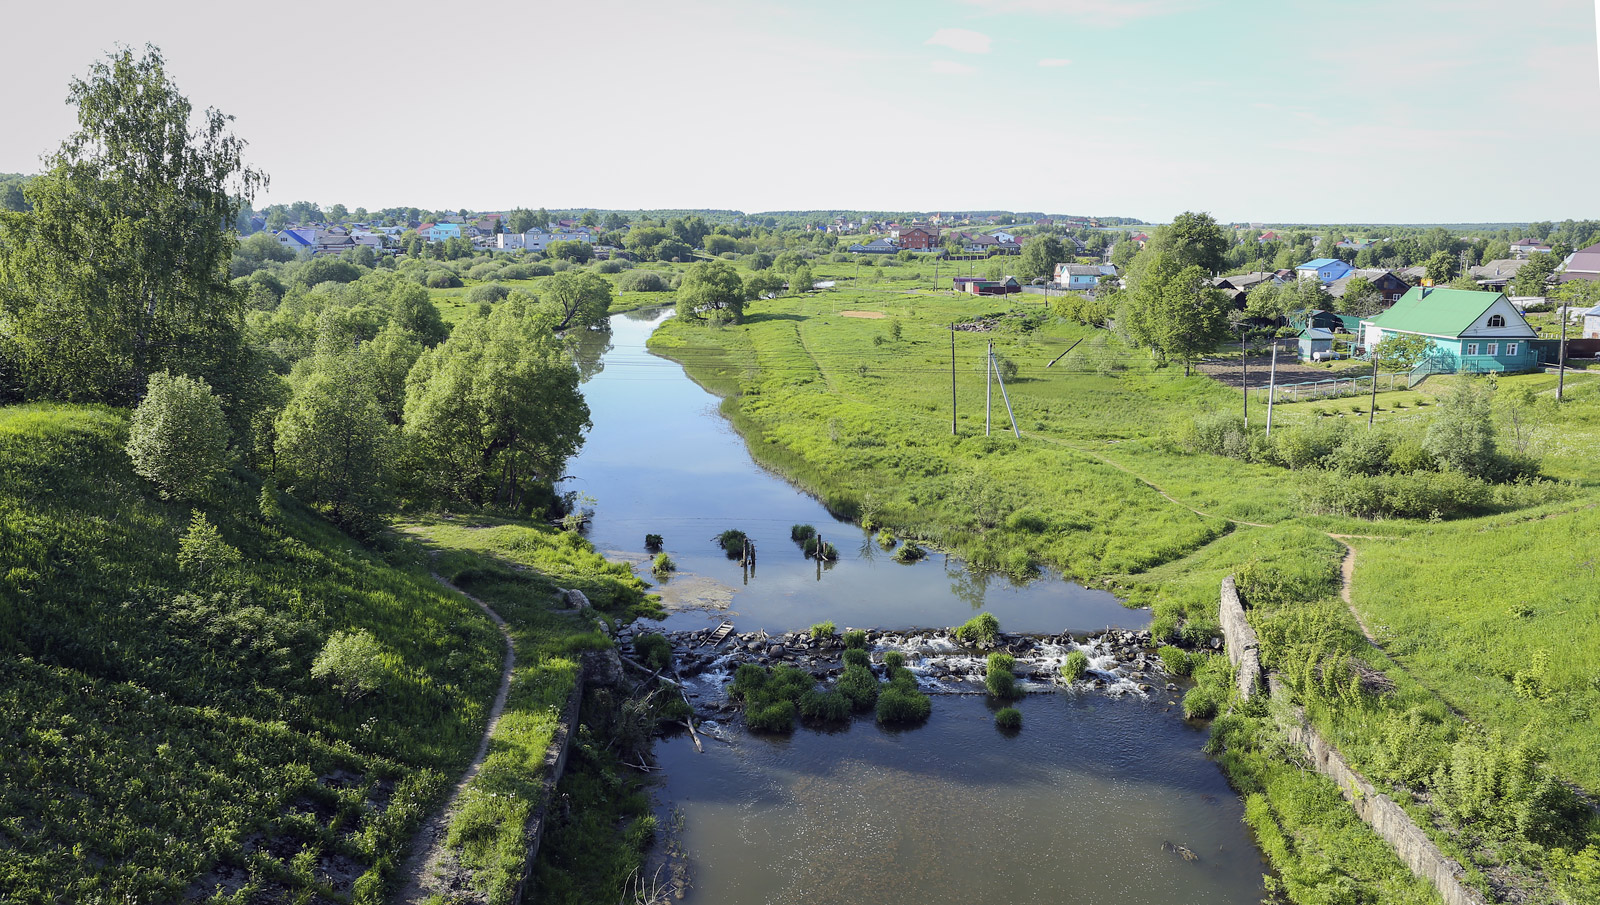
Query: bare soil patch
870,315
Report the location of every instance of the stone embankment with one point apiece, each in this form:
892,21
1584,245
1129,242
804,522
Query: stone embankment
1379,811
1120,661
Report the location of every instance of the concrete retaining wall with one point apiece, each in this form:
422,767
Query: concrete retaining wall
555,764
1244,650
1378,810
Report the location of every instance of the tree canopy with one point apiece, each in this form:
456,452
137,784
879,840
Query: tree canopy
1174,312
712,290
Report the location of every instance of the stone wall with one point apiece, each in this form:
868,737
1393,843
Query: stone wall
555,764
1244,650
1378,810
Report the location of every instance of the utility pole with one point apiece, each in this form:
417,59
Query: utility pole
1372,410
1561,357
1272,385
953,380
1003,395
1244,376
988,388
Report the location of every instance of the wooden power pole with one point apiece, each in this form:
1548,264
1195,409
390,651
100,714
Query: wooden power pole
953,431
1272,385
1561,357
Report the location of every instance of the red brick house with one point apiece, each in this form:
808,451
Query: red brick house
919,239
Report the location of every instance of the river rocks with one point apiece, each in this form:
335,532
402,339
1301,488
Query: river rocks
602,668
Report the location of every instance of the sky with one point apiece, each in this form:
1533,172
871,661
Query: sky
1366,111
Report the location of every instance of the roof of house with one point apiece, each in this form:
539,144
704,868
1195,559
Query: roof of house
1316,333
1436,312
1528,243
1083,270
1582,264
297,235
1317,264
1501,267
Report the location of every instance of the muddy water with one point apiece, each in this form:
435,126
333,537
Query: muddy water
1095,800
661,460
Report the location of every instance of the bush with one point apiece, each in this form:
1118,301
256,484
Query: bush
178,437
203,554
442,279
982,627
824,706
1077,663
749,679
801,533
859,686
612,265
857,657
1008,719
822,630
1175,661
539,270
855,639
894,660
663,564
731,542
352,662
909,553
899,706
652,542
887,540
1200,703
642,281
999,679
488,293
653,650
777,716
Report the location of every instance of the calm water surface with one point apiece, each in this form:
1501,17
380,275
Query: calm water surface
661,460
1078,807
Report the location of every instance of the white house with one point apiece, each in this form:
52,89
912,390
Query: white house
536,239
1591,323
300,238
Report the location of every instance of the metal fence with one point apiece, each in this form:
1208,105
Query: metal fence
1334,387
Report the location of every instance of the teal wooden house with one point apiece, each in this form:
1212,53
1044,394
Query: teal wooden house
1471,332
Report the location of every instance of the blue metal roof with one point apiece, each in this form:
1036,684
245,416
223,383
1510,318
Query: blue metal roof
1318,264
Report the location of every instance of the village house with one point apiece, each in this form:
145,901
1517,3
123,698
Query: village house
1498,273
1324,270
1524,247
1082,277
1472,332
982,286
917,239
438,232
1583,264
1591,323
875,247
1389,286
299,238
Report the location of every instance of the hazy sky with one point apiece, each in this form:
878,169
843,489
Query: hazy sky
1365,110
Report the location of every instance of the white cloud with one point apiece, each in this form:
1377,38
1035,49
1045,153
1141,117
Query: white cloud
960,39
1093,12
1054,62
951,67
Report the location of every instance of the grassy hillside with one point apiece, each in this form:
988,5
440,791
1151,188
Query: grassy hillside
162,735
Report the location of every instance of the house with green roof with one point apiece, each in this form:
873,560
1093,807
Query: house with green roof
1472,332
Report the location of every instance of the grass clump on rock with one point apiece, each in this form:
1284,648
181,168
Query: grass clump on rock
801,533
887,540
909,552
1176,661
770,696
820,549
652,542
894,660
1008,719
855,639
982,627
824,706
999,679
822,630
898,705
857,657
1076,665
654,650
663,565
858,685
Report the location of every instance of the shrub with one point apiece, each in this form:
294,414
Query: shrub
352,662
748,679
652,541
897,705
483,271
1176,661
654,650
999,679
801,533
540,270
612,265
859,686
731,542
822,630
488,293
909,553
178,438
642,281
894,660
1008,719
823,550
982,627
855,639
663,564
789,683
824,706
202,553
441,279
777,716
857,657
1077,663
1218,433
267,502
887,540
1200,703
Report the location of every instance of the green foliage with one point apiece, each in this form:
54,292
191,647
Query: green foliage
982,627
824,706
202,553
909,552
900,706
998,677
178,439
732,542
1212,688
652,542
711,291
1402,351
663,564
855,639
334,445
801,533
822,630
775,716
577,298
1008,719
856,656
654,650
817,548
1176,661
858,685
748,680
894,660
352,662
1074,666
267,502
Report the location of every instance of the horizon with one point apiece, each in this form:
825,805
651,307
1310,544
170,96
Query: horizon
1134,110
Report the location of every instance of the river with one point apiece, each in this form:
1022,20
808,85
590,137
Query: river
1098,799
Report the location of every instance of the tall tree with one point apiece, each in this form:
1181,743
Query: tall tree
121,268
1040,255
578,298
712,290
1175,313
332,440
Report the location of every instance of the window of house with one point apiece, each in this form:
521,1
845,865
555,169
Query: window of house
1472,348
1511,348
1497,320
1494,348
